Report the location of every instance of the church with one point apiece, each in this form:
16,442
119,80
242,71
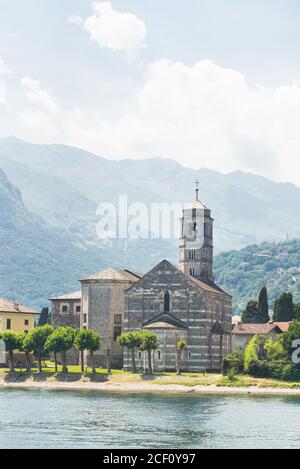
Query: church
183,303
175,303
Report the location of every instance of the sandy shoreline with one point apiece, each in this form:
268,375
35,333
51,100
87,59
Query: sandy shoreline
144,388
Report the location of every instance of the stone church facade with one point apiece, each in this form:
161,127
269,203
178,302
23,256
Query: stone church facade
174,303
183,303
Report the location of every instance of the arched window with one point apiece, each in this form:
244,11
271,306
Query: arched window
166,301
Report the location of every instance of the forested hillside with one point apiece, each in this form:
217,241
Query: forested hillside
244,272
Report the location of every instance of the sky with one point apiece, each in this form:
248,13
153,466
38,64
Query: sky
208,83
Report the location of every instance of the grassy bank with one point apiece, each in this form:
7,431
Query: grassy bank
117,377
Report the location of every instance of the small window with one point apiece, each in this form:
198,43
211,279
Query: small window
192,254
78,309
192,272
166,302
25,332
194,212
140,355
8,324
189,355
117,332
195,227
84,318
158,355
64,309
26,322
118,318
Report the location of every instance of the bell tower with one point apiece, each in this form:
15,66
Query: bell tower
196,240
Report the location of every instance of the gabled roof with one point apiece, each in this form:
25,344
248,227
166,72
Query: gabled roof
68,296
113,274
212,288
164,321
252,329
283,326
7,306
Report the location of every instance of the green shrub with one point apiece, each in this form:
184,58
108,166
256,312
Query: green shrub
282,370
254,349
259,368
274,350
233,363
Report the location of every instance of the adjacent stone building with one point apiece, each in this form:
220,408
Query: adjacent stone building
103,310
66,311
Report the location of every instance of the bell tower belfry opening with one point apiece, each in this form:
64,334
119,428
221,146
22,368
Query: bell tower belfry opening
196,240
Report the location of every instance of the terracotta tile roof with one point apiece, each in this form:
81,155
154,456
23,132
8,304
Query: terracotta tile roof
283,326
7,306
76,295
113,274
252,329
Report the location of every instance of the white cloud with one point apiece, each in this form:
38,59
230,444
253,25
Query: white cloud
200,115
204,116
35,94
114,30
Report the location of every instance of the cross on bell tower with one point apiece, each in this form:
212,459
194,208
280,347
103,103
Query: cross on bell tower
197,189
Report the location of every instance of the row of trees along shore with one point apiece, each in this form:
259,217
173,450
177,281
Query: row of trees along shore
44,340
257,312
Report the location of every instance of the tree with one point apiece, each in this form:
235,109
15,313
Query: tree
180,347
87,339
60,341
263,307
275,351
108,360
250,314
297,311
149,342
12,343
44,317
131,340
36,340
284,308
293,333
255,349
26,348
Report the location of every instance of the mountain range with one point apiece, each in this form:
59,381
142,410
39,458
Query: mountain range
49,196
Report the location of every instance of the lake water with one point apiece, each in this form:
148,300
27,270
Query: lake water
47,419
